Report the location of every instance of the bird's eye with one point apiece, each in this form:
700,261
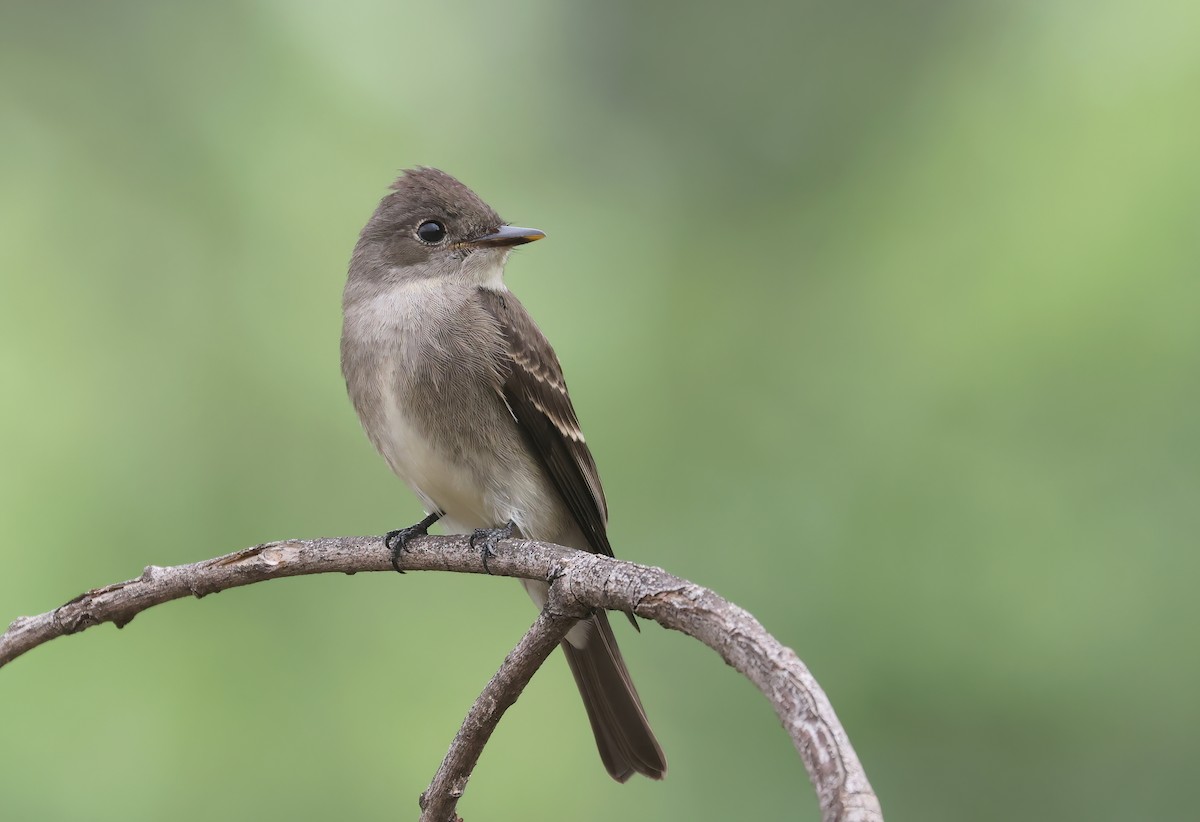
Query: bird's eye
431,231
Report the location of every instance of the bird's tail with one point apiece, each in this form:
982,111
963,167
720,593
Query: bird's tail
623,735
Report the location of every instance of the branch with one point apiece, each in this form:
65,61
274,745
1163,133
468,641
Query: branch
441,797
580,582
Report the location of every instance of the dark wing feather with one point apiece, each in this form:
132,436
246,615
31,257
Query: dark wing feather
531,383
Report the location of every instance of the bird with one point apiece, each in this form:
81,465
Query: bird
460,392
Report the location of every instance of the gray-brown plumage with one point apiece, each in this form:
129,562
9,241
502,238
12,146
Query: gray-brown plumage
463,396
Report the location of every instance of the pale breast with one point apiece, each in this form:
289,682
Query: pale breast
417,366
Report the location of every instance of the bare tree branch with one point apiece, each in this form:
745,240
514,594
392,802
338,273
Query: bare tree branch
580,582
441,797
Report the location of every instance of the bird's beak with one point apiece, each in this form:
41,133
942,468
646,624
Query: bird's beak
507,235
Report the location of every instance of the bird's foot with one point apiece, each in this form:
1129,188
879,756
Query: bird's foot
486,540
398,539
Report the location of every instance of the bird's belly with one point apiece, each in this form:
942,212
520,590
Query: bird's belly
441,483
484,487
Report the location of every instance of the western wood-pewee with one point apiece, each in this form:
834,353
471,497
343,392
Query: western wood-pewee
462,395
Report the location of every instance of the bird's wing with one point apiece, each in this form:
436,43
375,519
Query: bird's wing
531,383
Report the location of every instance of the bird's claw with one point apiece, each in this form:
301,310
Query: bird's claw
486,540
397,540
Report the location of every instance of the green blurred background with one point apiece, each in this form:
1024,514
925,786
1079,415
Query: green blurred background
881,319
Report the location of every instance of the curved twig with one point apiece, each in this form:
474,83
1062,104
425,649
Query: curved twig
580,582
449,783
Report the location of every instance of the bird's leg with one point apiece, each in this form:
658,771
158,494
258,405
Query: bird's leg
486,539
396,540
